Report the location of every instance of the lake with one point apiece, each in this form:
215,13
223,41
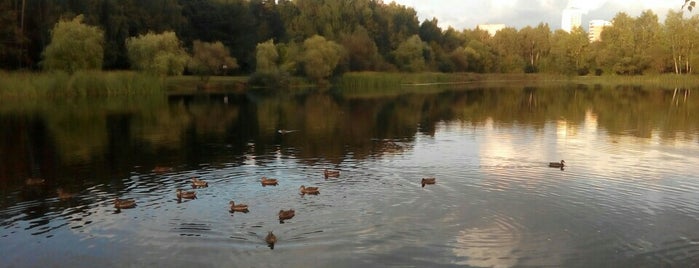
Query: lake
627,197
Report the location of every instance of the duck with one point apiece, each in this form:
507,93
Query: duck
557,164
197,183
239,207
428,181
63,194
331,173
286,214
309,190
186,195
124,203
161,169
34,181
271,239
267,181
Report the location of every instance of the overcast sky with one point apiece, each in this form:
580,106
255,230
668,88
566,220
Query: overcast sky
466,14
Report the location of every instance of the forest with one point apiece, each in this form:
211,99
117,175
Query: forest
319,38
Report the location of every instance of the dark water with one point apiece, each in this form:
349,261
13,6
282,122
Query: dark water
629,196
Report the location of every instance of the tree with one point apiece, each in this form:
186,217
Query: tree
362,51
410,54
320,57
267,56
74,46
535,45
211,59
568,51
160,54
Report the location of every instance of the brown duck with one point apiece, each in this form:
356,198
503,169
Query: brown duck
309,190
239,207
428,181
186,194
161,169
286,214
558,164
271,239
124,203
331,173
267,181
197,183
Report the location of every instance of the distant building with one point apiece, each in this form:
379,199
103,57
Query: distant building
595,29
491,28
571,18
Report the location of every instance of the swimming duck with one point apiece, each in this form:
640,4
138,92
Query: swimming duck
161,169
63,194
271,239
428,181
186,195
557,164
34,181
124,203
286,214
239,207
331,173
267,181
197,183
309,190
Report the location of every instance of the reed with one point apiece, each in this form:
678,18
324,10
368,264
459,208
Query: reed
83,84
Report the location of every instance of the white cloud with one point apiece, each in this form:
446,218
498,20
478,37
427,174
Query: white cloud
463,14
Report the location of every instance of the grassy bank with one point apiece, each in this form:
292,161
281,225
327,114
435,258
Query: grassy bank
28,85
84,84
391,81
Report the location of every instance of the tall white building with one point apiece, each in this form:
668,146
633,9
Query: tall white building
571,18
595,29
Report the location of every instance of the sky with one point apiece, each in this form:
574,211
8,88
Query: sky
466,14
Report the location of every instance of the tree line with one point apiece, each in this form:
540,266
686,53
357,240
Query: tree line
319,38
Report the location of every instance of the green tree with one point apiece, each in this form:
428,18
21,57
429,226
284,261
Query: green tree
362,51
160,54
507,47
211,59
267,57
74,46
410,55
320,57
535,45
569,51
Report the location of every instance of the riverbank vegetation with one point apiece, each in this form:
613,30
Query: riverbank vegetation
370,35
286,43
81,84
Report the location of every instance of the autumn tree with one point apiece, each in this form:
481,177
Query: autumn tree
74,46
320,57
210,59
160,54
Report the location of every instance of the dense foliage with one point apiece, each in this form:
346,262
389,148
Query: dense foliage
74,46
376,36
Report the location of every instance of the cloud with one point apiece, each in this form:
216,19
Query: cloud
467,14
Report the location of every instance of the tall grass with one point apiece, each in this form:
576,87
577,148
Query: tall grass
83,84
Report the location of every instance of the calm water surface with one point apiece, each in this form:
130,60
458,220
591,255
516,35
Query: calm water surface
629,196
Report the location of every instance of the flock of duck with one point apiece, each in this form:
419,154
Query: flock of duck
283,215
